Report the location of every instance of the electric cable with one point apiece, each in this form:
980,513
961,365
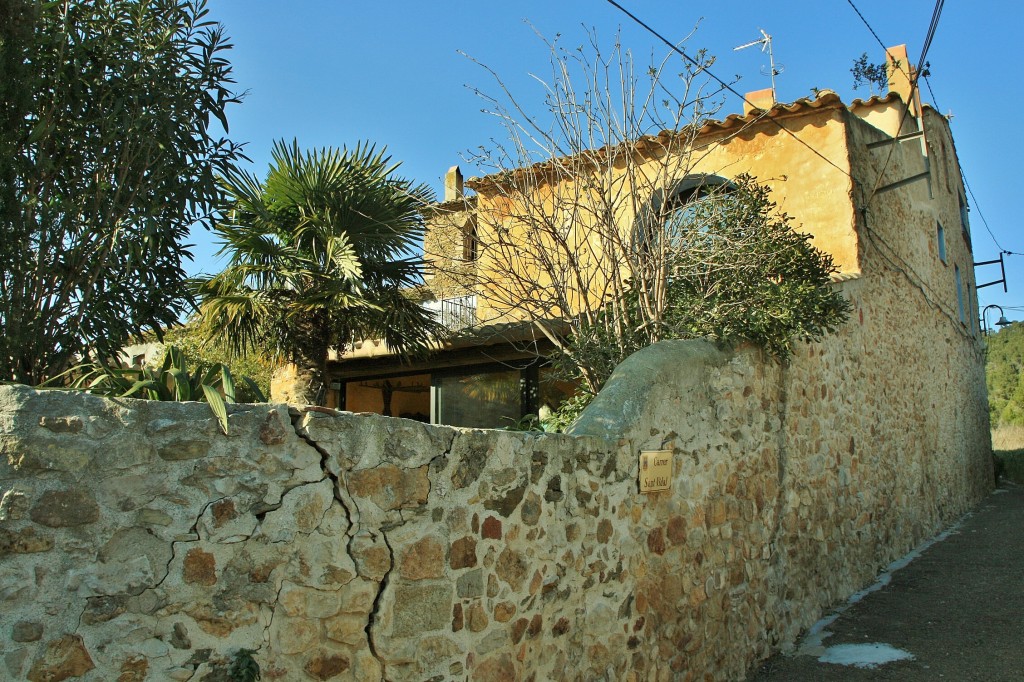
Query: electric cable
935,100
984,222
878,40
919,283
725,85
933,25
913,76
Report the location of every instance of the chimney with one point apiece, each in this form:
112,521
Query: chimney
453,184
901,72
758,100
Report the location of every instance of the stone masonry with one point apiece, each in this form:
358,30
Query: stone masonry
137,542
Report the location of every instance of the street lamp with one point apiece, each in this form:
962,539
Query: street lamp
1002,318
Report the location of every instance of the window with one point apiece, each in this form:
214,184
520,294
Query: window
694,211
940,239
456,313
959,293
470,247
405,396
489,396
682,213
551,392
965,225
972,310
482,400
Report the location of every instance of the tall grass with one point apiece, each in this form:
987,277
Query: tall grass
1008,438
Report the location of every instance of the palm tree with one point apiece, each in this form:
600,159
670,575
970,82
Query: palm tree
320,255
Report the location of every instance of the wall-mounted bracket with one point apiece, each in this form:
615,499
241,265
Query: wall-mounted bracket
1002,269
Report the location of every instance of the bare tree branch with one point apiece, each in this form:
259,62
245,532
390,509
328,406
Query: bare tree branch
599,212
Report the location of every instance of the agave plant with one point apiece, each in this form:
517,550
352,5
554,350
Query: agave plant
170,381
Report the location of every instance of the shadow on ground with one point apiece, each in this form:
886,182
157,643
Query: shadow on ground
956,612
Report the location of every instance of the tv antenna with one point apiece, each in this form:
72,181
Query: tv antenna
765,41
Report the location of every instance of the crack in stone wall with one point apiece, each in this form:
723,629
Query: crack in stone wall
374,615
341,484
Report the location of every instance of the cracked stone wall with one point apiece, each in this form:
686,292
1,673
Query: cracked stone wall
137,542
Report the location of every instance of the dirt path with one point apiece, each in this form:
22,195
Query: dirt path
956,612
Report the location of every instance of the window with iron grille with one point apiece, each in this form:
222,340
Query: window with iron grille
456,313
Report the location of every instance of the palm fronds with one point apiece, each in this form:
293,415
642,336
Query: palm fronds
323,248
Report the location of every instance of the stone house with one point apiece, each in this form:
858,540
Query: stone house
876,183
139,542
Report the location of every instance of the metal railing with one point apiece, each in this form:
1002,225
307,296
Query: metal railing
455,313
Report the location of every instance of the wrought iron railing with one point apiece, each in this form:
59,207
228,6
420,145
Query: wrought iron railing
455,313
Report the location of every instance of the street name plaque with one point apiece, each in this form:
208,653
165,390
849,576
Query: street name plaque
655,470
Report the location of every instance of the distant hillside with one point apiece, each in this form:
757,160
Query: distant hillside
1004,373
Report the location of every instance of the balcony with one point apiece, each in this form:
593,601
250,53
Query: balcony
454,313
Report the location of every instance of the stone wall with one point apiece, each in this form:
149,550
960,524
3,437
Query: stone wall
137,542
445,247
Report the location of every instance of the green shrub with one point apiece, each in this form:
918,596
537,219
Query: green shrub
170,381
567,413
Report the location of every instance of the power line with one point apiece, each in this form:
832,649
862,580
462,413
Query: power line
914,86
725,85
913,76
922,72
907,271
877,39
928,41
932,26
982,215
963,176
935,100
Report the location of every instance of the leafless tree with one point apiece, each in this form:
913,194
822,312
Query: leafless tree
593,213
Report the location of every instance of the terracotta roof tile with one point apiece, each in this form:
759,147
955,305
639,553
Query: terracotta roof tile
823,99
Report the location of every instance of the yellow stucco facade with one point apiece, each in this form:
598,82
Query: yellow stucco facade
875,183
828,165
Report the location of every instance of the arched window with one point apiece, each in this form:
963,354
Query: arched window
685,211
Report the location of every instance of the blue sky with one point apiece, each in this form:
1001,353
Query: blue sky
336,72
